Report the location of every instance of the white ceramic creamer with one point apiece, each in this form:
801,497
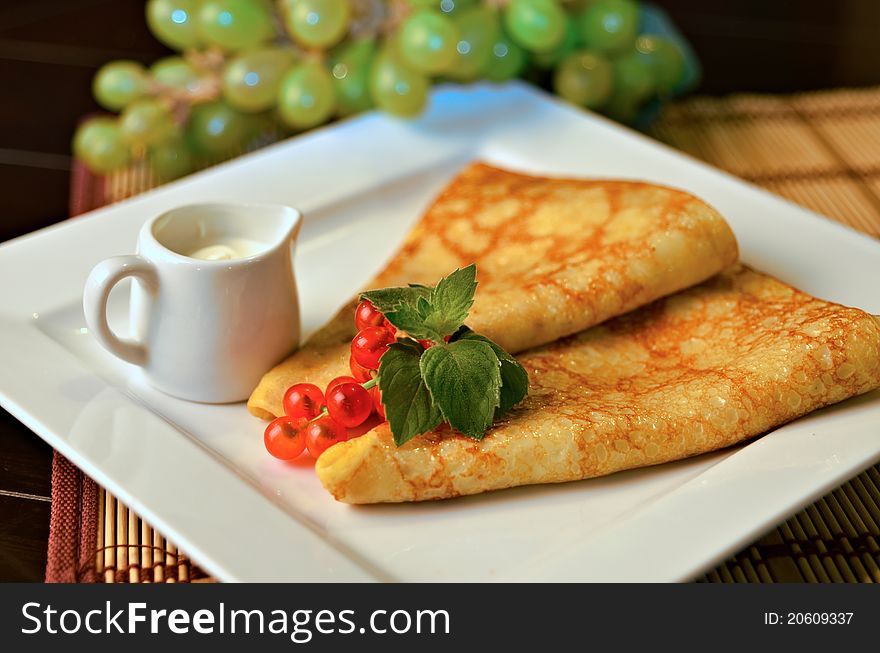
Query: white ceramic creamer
214,303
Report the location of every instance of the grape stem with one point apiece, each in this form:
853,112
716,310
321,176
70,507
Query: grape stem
396,12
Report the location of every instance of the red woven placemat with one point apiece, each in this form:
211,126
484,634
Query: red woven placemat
73,524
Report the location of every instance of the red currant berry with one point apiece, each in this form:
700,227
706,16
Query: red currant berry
446,338
303,400
285,437
426,344
335,382
366,315
369,345
349,404
390,327
322,434
360,373
376,393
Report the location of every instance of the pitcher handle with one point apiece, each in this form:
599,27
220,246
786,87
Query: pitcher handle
102,278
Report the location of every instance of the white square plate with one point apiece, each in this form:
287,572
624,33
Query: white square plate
200,474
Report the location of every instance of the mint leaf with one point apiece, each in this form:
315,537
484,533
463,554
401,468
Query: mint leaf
407,401
451,300
460,333
423,307
428,313
388,299
408,318
514,378
464,379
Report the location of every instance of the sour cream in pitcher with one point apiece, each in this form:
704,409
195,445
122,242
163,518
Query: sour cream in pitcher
227,249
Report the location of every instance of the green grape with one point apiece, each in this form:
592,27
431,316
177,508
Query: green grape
307,96
174,22
261,124
610,25
537,25
478,31
217,129
396,88
251,80
633,77
235,24
350,67
89,128
585,78
622,108
118,83
448,7
176,73
317,23
507,60
427,42
664,58
171,160
146,122
570,43
99,144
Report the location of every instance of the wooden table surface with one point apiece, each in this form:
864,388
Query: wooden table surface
49,50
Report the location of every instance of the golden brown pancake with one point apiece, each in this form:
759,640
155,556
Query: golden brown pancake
555,256
691,373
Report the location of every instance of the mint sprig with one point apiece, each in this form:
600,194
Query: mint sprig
467,382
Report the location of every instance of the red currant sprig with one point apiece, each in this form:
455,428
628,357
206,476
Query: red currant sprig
317,420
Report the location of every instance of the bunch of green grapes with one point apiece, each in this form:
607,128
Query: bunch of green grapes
253,67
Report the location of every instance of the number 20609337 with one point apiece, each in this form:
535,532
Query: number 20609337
808,618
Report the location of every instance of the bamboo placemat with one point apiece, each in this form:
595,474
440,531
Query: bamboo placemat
820,150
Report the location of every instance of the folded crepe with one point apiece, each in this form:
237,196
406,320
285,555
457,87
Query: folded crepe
689,373
694,372
554,257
